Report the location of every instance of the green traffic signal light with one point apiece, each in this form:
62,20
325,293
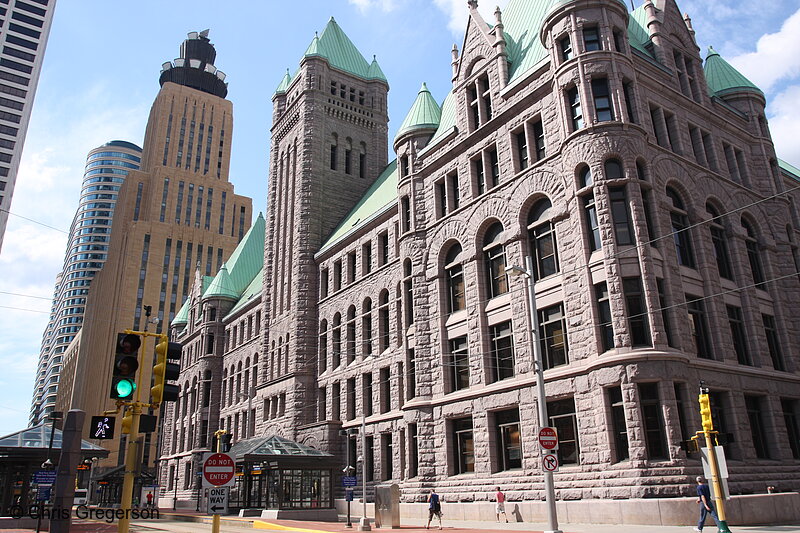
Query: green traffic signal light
125,388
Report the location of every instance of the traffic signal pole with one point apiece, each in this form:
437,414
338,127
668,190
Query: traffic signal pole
131,458
713,464
215,516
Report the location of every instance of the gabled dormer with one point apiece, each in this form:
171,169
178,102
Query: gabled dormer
481,71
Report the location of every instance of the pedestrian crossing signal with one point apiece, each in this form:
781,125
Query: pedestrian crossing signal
102,427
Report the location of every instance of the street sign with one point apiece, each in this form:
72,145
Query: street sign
548,438
218,500
102,427
723,470
550,462
44,477
218,470
43,494
348,495
349,481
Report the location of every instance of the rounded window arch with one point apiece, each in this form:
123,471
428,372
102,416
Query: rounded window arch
542,239
366,327
613,169
585,177
454,279
350,347
323,346
641,170
719,239
494,255
336,340
383,320
753,253
680,229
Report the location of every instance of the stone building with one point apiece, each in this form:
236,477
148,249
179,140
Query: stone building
641,180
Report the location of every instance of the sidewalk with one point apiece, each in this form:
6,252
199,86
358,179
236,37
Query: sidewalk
465,526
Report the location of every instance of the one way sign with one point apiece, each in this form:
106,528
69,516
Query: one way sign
217,500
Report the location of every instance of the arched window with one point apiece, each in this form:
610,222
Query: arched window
408,292
680,230
336,340
366,327
494,254
542,239
238,381
351,334
613,169
254,373
383,320
224,383
323,346
454,279
720,241
753,254
585,177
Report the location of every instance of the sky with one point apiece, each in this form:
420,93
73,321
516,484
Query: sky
100,76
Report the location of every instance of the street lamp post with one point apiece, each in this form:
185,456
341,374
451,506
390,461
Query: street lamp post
541,397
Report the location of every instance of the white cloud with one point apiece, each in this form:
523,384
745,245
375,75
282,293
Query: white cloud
784,115
47,189
458,11
364,5
774,58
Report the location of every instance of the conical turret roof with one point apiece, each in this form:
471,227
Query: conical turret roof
221,287
342,54
424,114
722,78
284,84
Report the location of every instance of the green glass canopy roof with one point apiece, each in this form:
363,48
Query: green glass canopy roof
273,445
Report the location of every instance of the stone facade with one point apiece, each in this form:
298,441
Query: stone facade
663,241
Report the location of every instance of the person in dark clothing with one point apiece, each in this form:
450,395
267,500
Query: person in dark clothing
706,507
434,509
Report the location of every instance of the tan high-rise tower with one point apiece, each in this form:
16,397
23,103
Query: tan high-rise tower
175,216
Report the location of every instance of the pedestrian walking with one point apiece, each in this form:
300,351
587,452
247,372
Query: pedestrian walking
500,506
434,509
706,507
149,500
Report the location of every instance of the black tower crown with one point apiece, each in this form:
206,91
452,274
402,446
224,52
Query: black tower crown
195,68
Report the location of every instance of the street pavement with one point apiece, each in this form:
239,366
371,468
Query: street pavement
176,523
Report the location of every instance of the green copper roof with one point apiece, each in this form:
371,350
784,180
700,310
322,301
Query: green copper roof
722,78
284,84
252,290
342,54
425,113
382,193
637,30
522,20
248,257
221,286
790,169
183,315
446,123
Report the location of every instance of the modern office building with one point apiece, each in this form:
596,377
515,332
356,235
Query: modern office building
176,215
662,230
24,28
87,249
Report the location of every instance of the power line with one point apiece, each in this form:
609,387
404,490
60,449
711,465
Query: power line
35,221
26,295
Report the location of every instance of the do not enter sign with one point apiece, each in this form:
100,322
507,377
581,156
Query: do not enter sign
218,470
548,438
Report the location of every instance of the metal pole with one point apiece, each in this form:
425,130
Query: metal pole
215,516
364,523
716,482
131,458
541,397
53,416
347,473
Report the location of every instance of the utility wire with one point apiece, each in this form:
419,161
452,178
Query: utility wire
35,221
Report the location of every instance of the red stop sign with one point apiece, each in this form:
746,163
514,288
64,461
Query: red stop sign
219,469
548,438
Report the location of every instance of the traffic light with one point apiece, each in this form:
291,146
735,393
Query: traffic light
226,439
127,421
705,412
163,371
126,363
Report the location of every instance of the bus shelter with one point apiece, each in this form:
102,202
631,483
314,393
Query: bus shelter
279,474
22,454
